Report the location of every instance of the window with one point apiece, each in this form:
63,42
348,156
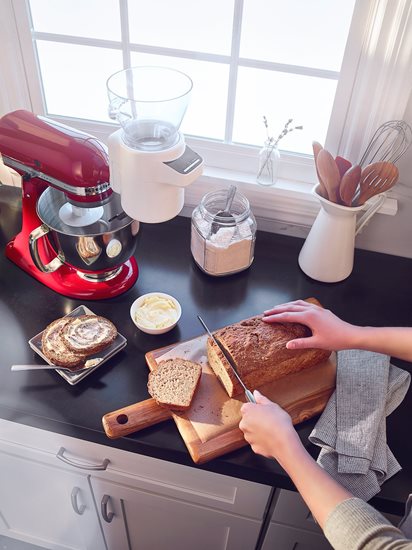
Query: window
338,67
247,59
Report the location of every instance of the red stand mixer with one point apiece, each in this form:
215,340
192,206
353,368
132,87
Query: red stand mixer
75,237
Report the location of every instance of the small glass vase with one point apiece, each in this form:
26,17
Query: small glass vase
269,159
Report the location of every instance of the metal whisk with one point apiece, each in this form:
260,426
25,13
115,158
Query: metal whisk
390,141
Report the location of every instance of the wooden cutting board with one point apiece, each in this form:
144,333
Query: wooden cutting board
210,427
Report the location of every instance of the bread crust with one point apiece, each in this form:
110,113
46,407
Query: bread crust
55,349
259,352
88,334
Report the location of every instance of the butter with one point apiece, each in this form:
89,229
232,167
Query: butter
156,312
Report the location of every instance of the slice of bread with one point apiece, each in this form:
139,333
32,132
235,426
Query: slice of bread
88,334
55,349
173,384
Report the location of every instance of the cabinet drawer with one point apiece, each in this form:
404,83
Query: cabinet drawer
284,537
290,509
145,473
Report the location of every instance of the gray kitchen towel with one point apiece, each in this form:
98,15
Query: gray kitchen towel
352,429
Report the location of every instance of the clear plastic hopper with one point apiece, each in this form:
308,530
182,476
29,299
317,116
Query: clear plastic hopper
149,103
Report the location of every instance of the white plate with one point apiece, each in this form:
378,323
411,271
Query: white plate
76,375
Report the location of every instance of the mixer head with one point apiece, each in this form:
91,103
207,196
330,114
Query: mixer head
62,157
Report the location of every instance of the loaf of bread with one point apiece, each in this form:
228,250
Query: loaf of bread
259,352
173,384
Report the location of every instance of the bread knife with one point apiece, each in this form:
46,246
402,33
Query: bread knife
248,393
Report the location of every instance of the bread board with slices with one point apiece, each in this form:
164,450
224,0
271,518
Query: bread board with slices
210,428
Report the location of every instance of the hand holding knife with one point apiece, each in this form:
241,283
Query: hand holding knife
248,393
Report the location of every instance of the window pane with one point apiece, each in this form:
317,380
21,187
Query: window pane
74,78
91,18
280,96
206,113
297,32
204,26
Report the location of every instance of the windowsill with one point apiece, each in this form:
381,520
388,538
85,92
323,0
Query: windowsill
287,207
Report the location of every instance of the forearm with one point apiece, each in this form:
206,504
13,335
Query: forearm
356,525
320,491
393,341
347,522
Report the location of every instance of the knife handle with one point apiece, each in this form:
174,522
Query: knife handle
250,397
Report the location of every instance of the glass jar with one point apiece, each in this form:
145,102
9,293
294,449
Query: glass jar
223,245
269,158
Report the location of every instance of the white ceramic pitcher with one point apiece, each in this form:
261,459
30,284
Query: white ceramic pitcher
328,252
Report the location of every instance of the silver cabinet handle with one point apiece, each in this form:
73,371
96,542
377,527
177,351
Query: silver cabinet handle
107,516
102,466
78,509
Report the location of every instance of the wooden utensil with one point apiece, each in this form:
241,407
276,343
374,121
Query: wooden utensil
134,418
329,172
376,178
323,192
349,184
343,165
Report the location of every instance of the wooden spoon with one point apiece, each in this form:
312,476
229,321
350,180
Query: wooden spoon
343,165
349,184
377,178
329,173
323,192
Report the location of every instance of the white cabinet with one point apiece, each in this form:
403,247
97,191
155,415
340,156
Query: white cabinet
45,504
292,526
59,492
155,522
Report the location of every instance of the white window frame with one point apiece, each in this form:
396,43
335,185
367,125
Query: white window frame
374,86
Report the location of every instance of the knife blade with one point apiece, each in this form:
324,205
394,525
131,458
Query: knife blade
249,395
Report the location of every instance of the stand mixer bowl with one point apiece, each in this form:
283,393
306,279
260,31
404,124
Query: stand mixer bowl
149,103
100,246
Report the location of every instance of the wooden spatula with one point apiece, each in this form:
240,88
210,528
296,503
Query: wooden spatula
329,173
323,192
376,178
349,184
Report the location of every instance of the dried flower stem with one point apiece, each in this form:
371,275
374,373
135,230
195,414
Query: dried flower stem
272,143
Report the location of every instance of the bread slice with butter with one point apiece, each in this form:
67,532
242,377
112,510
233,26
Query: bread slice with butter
88,334
55,348
174,383
68,341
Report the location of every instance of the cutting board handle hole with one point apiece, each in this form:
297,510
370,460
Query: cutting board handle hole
122,419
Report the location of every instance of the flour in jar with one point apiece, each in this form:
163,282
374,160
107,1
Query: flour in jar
229,250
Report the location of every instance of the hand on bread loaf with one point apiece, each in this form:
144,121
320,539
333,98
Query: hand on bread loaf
328,331
268,429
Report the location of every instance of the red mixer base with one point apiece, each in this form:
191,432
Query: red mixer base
67,281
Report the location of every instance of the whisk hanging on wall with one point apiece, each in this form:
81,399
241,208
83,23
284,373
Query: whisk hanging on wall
389,142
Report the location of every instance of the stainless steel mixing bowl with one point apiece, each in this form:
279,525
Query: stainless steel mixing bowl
102,245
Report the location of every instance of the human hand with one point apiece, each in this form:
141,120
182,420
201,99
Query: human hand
328,331
268,428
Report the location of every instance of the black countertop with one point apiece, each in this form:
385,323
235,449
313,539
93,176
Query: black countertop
377,293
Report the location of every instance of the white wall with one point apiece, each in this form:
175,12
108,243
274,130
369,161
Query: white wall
393,234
